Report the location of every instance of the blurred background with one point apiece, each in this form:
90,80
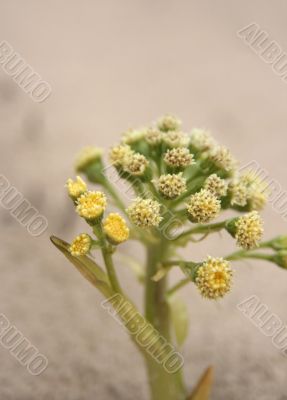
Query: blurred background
113,65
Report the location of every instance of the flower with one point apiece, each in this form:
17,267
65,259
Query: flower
201,140
216,185
91,205
87,156
76,188
248,230
168,123
118,154
135,164
153,137
81,245
145,213
171,185
116,229
223,159
203,206
176,139
249,189
214,278
179,157
133,136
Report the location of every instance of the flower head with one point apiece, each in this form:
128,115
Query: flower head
87,156
203,206
214,278
153,137
145,213
179,157
168,123
133,136
223,159
118,154
249,230
76,188
171,185
91,205
201,140
135,164
116,229
216,185
249,189
176,139
81,245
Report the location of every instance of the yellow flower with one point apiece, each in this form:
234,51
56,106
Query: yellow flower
214,278
179,157
145,213
249,230
87,156
133,136
135,164
118,154
81,245
175,139
223,159
91,205
216,185
203,206
153,137
249,189
168,123
76,188
116,229
171,185
201,140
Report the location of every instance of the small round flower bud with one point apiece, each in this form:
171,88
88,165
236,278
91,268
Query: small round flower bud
279,243
168,123
133,136
81,245
175,139
116,229
249,190
216,185
248,230
88,156
203,206
91,206
135,164
145,213
76,188
214,278
222,159
201,140
179,158
171,185
118,154
153,137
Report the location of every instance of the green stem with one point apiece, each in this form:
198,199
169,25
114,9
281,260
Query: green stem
108,259
163,385
203,229
178,286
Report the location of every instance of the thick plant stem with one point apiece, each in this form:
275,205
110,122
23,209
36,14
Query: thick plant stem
164,385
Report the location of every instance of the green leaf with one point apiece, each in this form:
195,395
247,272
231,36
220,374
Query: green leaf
203,388
86,266
179,315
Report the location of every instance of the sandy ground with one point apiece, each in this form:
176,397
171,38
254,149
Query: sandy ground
113,65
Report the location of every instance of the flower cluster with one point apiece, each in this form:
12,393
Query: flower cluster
172,176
